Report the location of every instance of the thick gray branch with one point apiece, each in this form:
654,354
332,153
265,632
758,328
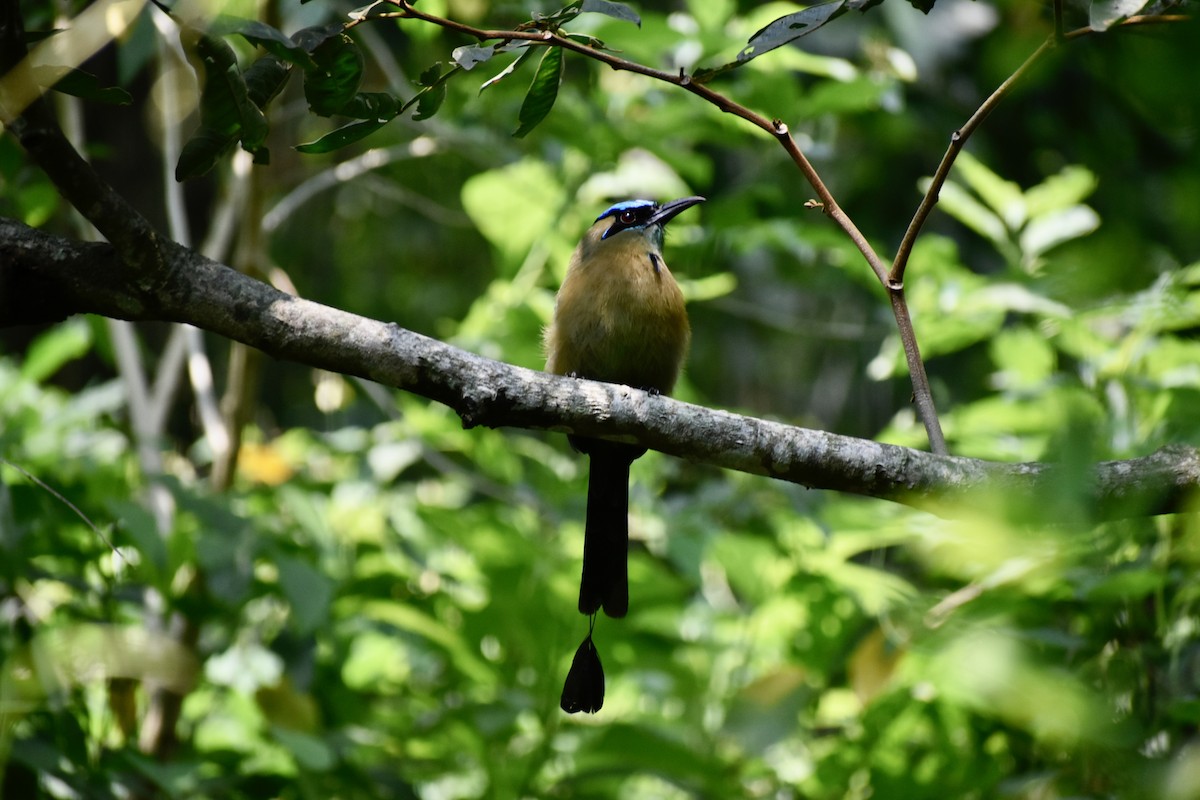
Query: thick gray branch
68,277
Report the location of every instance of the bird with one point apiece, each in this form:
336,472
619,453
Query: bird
620,318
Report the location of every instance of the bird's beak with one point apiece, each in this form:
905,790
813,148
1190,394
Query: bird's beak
667,211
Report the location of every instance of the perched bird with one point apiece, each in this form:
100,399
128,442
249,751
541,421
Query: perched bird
619,318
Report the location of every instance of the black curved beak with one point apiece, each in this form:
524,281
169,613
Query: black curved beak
667,211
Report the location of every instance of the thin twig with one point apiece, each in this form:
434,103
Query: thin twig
922,391
58,496
959,138
774,127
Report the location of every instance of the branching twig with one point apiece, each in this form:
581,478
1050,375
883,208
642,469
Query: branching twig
35,127
959,138
825,199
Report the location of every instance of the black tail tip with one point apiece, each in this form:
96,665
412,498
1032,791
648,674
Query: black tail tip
584,687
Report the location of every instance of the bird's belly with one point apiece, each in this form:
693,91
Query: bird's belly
631,341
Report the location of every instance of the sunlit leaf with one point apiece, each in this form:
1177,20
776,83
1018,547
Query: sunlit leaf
962,205
557,18
55,348
615,10
1004,198
521,59
470,55
1103,14
791,27
1054,228
1059,191
513,206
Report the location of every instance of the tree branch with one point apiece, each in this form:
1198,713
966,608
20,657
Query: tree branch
486,392
922,392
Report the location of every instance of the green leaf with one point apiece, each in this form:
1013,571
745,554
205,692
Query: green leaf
504,73
221,82
314,36
265,79
1060,191
335,80
36,202
513,206
962,205
310,752
202,152
265,36
78,83
228,112
1002,197
429,101
615,10
372,106
50,351
252,122
558,18
307,590
138,524
431,75
542,92
345,135
413,620
1024,359
791,27
1050,230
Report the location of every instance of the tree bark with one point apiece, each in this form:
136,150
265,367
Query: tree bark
44,278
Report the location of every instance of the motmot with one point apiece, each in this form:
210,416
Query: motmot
619,318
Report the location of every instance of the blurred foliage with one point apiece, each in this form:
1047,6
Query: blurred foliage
384,603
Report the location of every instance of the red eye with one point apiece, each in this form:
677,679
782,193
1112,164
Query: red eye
628,217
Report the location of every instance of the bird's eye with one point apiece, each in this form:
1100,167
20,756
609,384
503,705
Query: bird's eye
628,217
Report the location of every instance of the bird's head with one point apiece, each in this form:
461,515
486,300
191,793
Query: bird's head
641,217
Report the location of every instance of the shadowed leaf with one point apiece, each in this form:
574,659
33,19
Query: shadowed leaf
542,92
78,83
335,80
347,134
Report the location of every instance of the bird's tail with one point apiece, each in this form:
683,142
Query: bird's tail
605,583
